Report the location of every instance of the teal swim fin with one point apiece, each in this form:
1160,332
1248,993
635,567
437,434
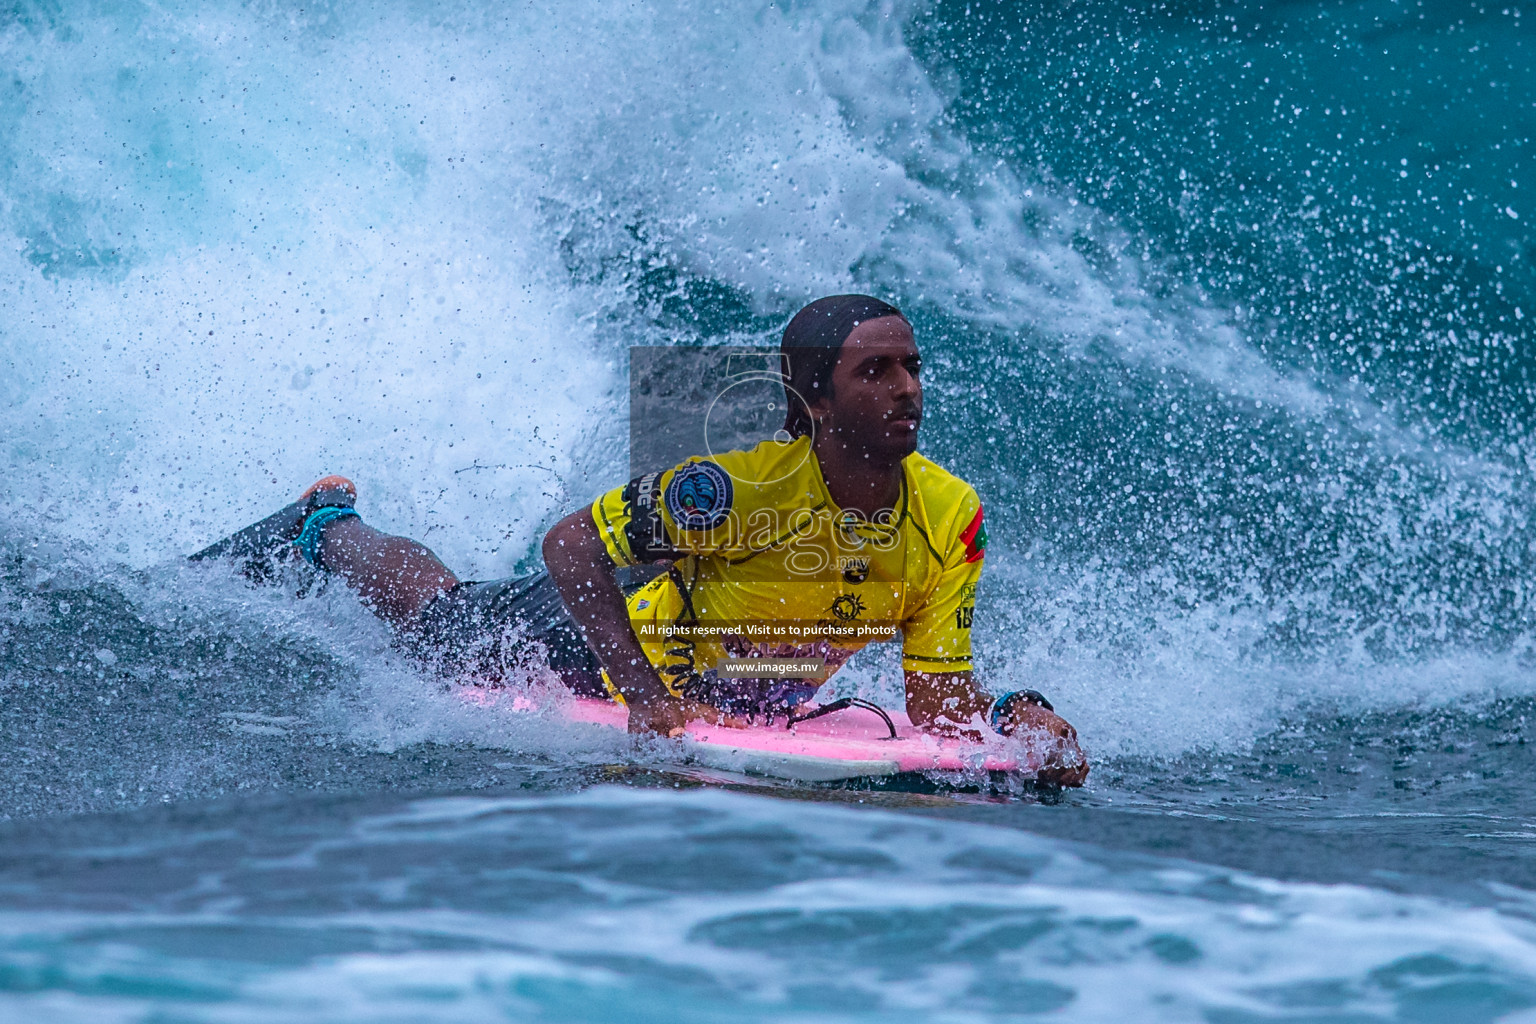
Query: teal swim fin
261,547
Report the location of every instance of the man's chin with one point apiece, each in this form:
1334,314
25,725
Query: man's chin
897,448
891,447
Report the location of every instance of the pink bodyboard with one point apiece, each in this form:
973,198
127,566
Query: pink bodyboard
847,744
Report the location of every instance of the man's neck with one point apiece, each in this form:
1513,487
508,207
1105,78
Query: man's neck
858,483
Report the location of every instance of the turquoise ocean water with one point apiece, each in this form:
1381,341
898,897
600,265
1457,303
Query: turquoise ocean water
1227,312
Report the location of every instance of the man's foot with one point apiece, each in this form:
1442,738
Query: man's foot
257,547
330,491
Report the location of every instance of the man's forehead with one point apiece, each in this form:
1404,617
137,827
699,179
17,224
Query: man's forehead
888,335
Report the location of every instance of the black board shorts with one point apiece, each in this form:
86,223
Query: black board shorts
483,629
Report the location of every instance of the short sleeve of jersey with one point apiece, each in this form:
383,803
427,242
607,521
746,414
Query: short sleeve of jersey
937,638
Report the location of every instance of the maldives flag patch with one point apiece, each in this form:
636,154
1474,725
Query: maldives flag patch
975,539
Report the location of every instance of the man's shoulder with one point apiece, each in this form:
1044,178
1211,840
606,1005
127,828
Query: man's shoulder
765,462
945,508
772,474
940,490
706,491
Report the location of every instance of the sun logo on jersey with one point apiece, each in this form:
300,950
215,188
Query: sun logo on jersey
847,607
699,496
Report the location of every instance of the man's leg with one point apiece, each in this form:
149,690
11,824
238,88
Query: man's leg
401,580
395,576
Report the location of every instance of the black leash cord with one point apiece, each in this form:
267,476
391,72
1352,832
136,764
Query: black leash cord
843,704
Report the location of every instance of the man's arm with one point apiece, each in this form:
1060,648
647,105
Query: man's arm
583,572
951,702
945,701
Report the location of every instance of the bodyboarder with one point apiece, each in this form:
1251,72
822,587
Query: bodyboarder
796,552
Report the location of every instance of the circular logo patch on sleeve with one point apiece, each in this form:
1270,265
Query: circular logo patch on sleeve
699,496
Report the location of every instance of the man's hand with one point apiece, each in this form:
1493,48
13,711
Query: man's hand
952,704
664,716
1064,763
668,716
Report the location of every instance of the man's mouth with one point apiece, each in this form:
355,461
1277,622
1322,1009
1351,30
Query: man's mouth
907,420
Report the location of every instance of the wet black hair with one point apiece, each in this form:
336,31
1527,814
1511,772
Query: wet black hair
810,348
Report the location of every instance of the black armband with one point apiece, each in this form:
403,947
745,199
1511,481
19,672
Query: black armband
645,531
1007,701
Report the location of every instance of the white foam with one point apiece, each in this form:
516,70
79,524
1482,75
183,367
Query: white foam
398,244
410,177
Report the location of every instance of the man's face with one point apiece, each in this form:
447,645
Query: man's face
876,404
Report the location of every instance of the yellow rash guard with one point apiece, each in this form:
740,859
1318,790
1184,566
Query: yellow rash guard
767,566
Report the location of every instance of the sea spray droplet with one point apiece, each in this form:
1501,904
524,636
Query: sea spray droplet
106,657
